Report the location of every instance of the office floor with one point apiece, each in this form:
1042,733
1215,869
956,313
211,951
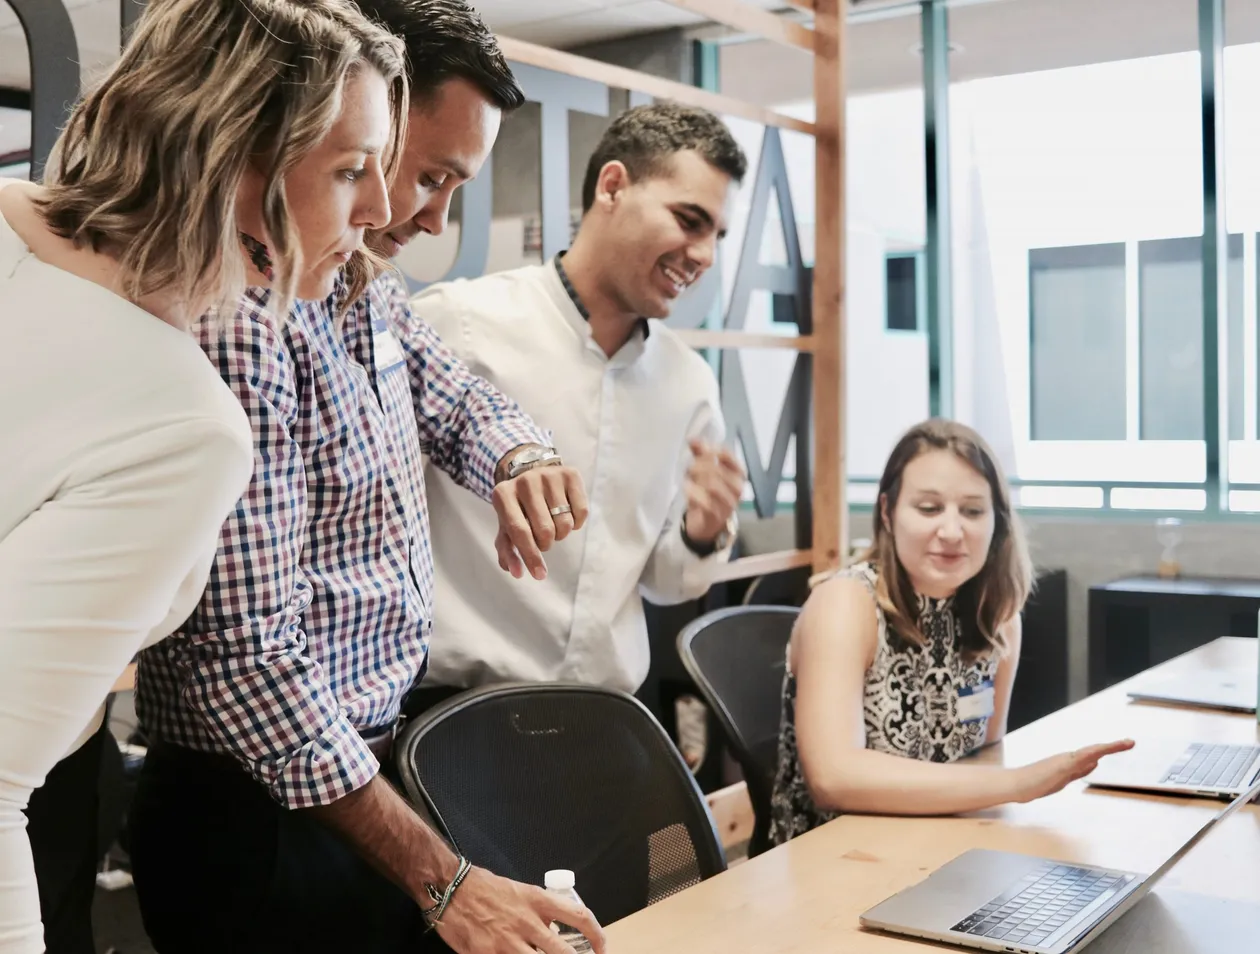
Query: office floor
116,922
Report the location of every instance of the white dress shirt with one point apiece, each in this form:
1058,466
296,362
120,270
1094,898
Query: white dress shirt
121,453
624,423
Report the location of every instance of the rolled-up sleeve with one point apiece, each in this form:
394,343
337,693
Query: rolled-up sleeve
467,425
242,658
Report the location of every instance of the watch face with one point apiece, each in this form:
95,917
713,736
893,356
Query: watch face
531,456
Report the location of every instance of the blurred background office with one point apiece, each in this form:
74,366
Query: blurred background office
1041,243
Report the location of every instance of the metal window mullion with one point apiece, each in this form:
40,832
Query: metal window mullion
1132,343
129,13
1211,75
1251,400
53,54
935,25
706,74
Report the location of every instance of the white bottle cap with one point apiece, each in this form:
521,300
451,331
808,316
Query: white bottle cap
559,880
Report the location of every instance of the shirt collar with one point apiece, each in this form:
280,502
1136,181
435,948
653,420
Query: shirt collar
641,324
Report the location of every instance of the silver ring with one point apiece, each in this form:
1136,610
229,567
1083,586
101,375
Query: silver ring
563,508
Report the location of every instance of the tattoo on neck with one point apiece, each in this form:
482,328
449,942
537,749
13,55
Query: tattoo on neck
259,255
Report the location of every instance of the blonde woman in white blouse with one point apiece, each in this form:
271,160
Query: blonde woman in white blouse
226,126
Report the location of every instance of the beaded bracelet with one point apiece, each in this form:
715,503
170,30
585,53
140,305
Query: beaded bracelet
441,899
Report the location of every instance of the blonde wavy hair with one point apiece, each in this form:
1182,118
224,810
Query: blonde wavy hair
148,166
995,594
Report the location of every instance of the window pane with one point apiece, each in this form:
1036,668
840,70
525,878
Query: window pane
1078,342
902,282
1242,214
1075,126
1171,295
1236,339
1171,309
1153,498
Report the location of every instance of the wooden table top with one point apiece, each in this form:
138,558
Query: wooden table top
806,896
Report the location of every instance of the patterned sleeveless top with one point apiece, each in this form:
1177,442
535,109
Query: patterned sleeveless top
909,706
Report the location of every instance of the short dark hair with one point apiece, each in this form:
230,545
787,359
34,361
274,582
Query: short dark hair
447,39
642,138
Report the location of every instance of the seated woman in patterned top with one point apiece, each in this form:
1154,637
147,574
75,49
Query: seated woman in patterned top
904,663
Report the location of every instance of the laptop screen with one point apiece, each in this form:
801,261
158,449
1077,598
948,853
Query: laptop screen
1253,790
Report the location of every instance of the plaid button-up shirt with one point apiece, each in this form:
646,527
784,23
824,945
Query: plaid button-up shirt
316,619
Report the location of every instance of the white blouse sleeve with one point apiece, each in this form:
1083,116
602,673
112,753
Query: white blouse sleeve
84,581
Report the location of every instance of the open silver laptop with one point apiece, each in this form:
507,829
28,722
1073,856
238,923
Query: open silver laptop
998,901
1214,689
1206,769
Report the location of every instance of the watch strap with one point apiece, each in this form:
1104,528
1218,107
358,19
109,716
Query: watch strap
720,542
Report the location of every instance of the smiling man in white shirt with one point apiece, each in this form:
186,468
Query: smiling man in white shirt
576,343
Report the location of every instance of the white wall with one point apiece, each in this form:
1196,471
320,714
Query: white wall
888,370
428,258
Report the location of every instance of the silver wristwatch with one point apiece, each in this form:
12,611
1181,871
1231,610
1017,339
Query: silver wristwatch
530,458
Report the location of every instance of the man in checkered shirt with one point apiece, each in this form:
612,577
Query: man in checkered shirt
261,822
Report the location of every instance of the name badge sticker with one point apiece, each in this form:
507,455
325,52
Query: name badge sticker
975,702
386,350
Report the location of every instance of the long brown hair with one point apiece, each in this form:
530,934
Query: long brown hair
148,165
995,594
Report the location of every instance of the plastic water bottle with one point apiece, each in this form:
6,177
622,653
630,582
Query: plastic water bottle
561,882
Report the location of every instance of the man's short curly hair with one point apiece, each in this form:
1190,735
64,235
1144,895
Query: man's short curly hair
642,138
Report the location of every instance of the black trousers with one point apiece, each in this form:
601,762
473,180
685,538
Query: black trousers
219,866
61,821
423,698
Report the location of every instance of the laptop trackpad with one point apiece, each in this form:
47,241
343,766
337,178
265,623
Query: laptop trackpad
952,892
1173,922
1145,764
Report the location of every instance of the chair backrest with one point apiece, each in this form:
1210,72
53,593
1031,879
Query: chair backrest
736,657
524,778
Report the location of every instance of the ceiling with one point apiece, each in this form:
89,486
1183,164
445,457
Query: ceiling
559,23
563,23
991,38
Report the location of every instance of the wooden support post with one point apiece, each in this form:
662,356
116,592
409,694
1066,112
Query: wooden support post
831,510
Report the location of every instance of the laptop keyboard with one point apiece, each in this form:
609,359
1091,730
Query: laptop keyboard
1216,766
1040,904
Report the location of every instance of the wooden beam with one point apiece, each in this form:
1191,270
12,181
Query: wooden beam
761,564
831,510
708,338
754,20
733,812
622,78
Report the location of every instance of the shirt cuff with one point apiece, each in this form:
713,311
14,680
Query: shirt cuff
499,442
326,769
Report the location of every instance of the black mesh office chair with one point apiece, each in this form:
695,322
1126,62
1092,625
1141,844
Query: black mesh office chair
736,657
524,778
